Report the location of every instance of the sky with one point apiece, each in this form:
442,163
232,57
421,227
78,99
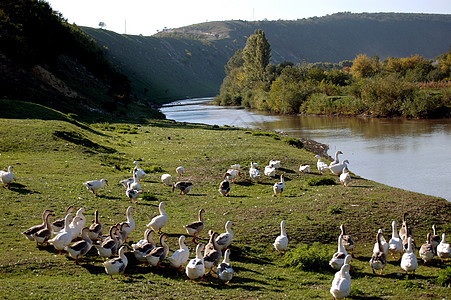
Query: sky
147,17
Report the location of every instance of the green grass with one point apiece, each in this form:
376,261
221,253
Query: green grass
50,171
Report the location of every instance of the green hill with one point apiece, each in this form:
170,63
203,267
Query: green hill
189,61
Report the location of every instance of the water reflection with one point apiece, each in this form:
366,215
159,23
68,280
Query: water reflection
410,154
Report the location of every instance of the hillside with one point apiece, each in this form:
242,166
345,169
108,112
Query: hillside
189,61
45,60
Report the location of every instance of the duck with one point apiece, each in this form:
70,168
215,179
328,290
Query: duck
435,238
224,186
426,251
184,187
109,245
33,229
6,177
348,241
409,261
42,236
117,265
225,271
281,242
157,255
159,221
254,173
132,193
320,165
337,169
234,174
58,224
341,285
140,174
95,185
225,239
443,249
304,168
96,229
130,221
383,243
276,163
134,185
213,256
338,258
378,260
336,161
196,227
270,171
80,248
345,177
143,247
196,268
180,170
63,238
279,186
166,179
395,243
181,256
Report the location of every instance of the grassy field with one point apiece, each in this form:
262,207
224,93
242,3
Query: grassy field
51,159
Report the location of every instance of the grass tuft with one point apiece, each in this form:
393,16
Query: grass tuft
310,258
320,181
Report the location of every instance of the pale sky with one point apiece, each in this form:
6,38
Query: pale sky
147,17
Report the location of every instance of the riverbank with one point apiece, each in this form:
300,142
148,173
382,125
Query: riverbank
50,169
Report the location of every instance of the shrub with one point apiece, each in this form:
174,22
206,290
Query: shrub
293,142
333,210
149,197
320,181
309,258
154,169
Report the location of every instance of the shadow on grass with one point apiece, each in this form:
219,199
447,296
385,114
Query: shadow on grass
21,189
288,171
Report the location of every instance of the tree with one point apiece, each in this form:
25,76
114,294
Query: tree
363,66
256,55
102,25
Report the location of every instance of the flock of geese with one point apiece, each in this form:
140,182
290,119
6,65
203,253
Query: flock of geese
216,251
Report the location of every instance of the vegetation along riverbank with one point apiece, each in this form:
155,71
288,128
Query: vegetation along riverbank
52,158
412,87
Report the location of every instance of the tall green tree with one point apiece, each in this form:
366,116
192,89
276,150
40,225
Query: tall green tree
256,55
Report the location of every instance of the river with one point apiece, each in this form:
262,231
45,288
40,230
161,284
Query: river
413,155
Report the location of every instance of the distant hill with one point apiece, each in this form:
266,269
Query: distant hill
189,61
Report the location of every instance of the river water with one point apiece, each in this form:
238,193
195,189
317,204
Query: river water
413,155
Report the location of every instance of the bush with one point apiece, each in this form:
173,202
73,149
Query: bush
293,142
320,181
309,258
154,169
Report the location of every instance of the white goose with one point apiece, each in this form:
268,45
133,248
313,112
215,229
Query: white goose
341,285
95,185
134,185
409,261
338,258
166,179
180,170
225,239
77,223
337,169
254,173
132,193
426,251
304,168
130,221
117,265
159,221
279,186
444,249
345,177
196,268
140,174
383,243
320,165
225,270
270,171
6,177
234,174
276,163
336,161
181,256
281,242
63,238
395,243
